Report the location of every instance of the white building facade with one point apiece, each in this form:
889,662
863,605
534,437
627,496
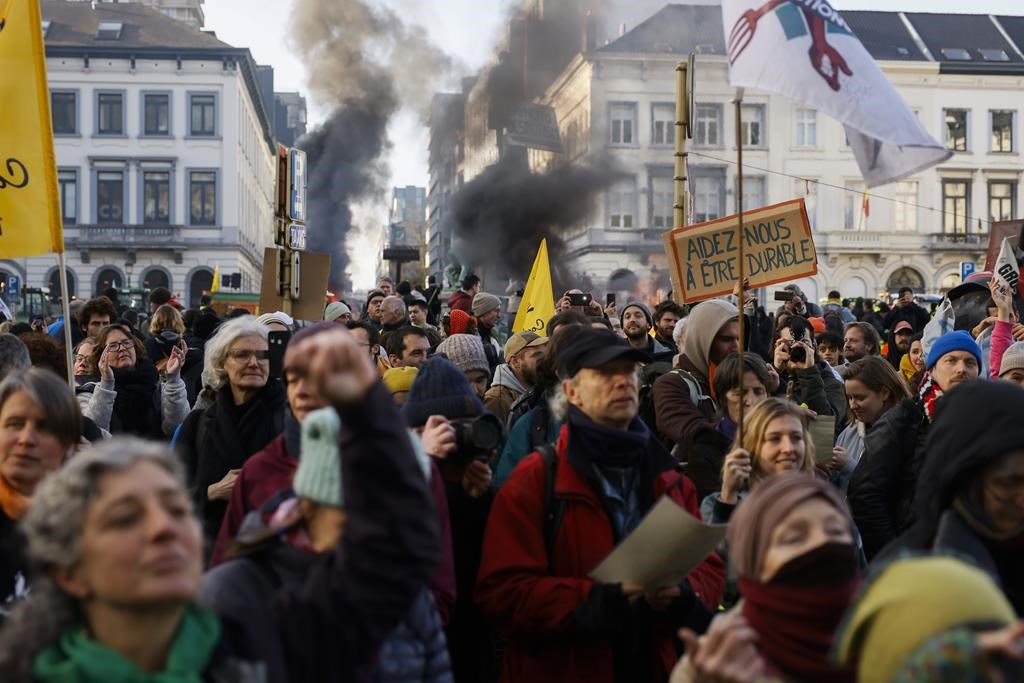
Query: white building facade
619,100
164,150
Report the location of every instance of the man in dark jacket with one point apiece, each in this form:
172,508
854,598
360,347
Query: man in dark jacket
881,492
666,315
906,309
637,321
712,334
487,309
900,339
968,499
607,471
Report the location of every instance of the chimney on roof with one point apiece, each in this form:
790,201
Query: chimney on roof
622,29
93,3
589,32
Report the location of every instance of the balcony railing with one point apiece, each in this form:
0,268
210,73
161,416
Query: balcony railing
120,236
958,240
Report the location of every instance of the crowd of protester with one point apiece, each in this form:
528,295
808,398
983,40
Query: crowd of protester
406,492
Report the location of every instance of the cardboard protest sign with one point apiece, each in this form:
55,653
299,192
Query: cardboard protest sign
313,276
778,247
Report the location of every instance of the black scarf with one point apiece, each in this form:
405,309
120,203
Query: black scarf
606,446
292,435
137,405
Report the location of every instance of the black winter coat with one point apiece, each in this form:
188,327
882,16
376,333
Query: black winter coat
329,622
881,492
13,565
222,438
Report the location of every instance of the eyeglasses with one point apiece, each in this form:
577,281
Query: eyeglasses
246,355
122,345
79,358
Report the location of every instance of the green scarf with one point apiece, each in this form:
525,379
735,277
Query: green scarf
76,658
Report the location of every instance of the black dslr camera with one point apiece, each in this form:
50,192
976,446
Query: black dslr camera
476,439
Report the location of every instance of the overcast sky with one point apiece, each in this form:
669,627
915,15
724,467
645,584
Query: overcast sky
466,29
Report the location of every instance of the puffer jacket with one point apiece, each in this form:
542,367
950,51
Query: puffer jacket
416,651
881,490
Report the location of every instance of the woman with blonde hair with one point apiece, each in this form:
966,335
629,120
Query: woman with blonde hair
775,439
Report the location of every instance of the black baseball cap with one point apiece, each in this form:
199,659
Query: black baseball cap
592,348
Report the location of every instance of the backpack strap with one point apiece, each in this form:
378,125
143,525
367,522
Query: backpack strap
696,395
554,509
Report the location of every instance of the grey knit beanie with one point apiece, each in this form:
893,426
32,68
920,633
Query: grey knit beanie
466,352
318,477
643,307
484,303
1013,359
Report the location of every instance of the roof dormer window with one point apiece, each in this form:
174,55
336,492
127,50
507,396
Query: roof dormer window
956,54
109,30
46,26
993,55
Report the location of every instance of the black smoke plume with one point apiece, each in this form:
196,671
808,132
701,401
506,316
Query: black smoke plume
365,63
500,217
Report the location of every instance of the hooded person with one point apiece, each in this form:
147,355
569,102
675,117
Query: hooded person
881,491
900,338
637,322
712,334
517,375
898,631
792,547
968,498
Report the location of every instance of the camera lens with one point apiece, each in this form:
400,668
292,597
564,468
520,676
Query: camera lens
798,354
486,432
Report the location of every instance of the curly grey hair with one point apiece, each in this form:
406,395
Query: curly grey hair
216,352
54,525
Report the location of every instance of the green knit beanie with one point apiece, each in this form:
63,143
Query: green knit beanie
318,477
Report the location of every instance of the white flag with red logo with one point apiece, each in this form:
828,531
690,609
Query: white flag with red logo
804,50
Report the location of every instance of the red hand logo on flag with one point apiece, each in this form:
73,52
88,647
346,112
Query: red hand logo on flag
746,26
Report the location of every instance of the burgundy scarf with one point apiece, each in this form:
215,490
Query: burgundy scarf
795,626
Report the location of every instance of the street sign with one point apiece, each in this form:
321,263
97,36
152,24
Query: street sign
534,126
297,236
297,185
967,269
13,287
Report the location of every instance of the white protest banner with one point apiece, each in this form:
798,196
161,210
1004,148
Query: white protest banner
1006,270
778,247
805,50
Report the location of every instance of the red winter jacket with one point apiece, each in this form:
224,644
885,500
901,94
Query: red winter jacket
461,300
537,611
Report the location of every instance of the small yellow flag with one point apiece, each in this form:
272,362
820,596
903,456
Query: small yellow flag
30,218
538,304
215,287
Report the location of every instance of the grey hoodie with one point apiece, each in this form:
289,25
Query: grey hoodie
703,325
504,377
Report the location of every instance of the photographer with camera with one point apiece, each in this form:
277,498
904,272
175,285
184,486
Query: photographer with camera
563,509
803,376
463,438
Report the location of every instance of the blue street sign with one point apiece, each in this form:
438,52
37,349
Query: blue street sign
297,185
13,286
967,269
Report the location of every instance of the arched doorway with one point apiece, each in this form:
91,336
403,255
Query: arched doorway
623,282
108,277
906,277
156,277
854,287
200,283
54,284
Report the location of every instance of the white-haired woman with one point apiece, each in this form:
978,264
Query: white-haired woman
121,559
246,415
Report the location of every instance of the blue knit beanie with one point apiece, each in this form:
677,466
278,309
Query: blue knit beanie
440,389
953,341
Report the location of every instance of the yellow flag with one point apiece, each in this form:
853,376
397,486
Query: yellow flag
538,304
215,287
30,220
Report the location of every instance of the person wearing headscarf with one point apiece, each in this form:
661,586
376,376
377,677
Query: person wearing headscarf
792,546
970,493
898,631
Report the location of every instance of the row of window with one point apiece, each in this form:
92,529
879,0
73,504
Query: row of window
1001,123
708,126
709,201
110,113
110,197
